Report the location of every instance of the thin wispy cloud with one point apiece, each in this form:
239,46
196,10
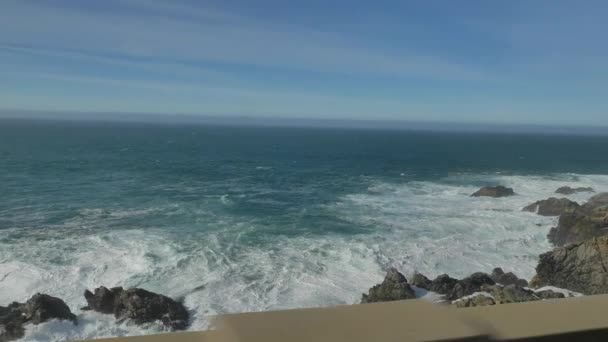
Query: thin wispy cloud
519,61
165,30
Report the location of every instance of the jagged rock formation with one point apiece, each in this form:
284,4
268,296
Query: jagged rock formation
138,305
552,206
38,309
494,191
394,287
580,267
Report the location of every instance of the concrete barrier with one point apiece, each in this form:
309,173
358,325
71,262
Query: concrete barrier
572,319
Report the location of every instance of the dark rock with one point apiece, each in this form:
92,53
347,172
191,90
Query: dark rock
494,191
104,300
419,280
549,294
510,294
41,308
138,305
599,201
552,206
469,285
478,300
500,277
394,287
579,267
443,284
579,225
566,190
38,309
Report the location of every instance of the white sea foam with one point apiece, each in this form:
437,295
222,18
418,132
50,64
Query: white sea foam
431,227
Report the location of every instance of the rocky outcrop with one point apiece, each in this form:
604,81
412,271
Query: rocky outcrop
494,191
453,288
138,305
580,225
566,190
38,309
509,278
597,202
552,206
580,267
394,287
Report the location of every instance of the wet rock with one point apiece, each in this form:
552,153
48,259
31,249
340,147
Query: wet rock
394,287
475,300
138,305
566,190
38,309
509,278
419,280
552,206
549,294
469,285
494,191
443,284
453,288
580,267
580,225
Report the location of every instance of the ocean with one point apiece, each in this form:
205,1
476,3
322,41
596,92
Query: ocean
237,219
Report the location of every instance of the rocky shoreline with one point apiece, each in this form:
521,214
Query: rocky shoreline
578,264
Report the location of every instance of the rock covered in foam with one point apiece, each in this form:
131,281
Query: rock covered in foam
494,191
580,267
38,309
394,287
552,206
476,299
138,305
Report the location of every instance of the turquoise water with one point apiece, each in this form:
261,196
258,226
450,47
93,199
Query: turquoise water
246,219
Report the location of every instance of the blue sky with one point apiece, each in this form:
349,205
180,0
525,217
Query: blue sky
531,62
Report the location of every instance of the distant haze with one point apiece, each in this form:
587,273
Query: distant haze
301,122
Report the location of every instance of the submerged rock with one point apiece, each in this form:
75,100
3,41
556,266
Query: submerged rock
552,206
38,309
138,305
580,267
509,278
566,190
394,287
494,191
579,225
